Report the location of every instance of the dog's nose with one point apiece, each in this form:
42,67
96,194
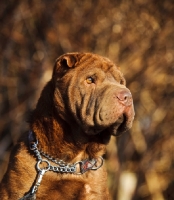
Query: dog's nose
124,97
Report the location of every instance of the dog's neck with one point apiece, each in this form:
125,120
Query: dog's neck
57,138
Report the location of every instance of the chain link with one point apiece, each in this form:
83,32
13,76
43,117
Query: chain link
61,167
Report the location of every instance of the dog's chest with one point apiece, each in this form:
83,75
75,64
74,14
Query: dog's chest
68,188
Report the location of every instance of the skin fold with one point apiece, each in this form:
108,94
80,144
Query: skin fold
80,108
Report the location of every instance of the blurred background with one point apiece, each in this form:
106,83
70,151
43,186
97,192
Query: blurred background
138,35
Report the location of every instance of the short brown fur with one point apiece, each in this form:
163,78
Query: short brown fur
73,120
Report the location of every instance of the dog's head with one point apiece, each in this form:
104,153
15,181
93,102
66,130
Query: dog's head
91,91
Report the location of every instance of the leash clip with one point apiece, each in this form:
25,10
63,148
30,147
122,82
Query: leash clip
38,181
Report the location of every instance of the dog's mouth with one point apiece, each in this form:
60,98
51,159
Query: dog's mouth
120,126
116,129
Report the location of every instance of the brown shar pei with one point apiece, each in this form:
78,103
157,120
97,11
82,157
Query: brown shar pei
80,108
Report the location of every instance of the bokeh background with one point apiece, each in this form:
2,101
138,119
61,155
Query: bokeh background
138,35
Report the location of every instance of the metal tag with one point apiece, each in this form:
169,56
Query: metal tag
87,165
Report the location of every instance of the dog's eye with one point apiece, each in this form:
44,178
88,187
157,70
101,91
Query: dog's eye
90,80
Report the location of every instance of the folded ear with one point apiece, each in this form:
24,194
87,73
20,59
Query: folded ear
68,61
64,63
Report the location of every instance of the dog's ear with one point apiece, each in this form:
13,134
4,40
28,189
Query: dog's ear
65,63
68,61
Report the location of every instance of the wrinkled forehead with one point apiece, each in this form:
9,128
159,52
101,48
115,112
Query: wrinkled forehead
99,63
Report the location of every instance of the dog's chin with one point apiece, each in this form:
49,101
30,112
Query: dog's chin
119,127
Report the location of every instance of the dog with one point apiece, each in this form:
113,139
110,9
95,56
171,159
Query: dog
80,108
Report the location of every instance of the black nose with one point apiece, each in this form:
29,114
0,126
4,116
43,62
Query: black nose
125,97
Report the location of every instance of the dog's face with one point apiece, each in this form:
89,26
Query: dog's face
90,90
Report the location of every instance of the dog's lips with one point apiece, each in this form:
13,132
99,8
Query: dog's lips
119,126
115,129
122,127
124,122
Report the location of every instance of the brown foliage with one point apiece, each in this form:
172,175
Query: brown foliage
138,35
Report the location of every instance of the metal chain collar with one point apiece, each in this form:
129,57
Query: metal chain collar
62,166
77,168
